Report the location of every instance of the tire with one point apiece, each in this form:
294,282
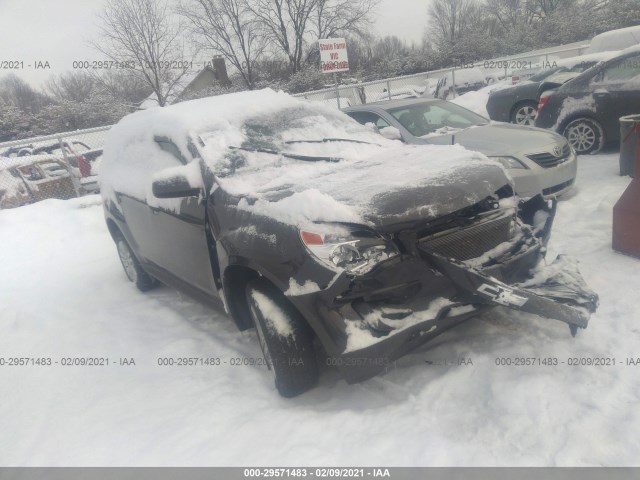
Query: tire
525,113
585,135
132,268
290,356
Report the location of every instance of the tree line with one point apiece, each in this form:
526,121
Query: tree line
272,43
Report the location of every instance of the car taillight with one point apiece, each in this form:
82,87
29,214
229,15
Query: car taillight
543,100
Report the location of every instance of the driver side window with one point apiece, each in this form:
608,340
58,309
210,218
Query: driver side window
171,148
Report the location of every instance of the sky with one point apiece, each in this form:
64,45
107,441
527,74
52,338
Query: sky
38,31
405,19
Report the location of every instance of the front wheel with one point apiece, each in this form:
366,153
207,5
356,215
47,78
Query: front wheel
133,269
585,135
285,338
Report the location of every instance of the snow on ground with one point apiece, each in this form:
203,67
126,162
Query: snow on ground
64,294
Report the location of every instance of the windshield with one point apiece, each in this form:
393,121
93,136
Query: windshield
435,118
305,133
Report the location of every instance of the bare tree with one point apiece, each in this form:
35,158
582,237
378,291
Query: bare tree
76,86
509,13
343,17
285,23
545,8
450,19
389,47
16,92
142,35
229,28
126,87
293,25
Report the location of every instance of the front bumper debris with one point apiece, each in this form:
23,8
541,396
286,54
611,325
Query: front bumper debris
414,297
559,292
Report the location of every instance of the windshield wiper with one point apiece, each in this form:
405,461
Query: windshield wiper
294,156
327,140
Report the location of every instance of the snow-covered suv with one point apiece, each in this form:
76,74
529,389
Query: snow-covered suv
305,224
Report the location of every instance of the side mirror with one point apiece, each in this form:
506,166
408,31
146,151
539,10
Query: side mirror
174,187
392,133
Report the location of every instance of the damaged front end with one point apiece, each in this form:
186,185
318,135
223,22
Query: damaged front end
414,282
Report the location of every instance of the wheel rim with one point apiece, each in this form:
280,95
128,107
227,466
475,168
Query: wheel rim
526,115
262,340
581,137
126,258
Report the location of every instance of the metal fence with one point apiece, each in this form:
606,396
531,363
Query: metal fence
447,82
61,166
66,165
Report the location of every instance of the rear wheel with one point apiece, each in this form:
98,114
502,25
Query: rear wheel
285,338
525,113
132,267
585,135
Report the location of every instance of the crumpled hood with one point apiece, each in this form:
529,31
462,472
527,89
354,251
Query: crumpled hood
405,183
452,193
498,139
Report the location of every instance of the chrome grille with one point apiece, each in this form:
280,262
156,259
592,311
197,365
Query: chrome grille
470,242
548,159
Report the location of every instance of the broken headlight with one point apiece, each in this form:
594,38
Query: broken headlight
354,249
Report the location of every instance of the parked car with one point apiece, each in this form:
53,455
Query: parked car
519,104
304,224
32,178
461,81
586,109
81,158
17,151
539,161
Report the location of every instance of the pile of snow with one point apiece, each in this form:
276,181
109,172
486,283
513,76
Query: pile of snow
476,101
615,40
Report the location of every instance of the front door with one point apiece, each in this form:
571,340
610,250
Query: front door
179,227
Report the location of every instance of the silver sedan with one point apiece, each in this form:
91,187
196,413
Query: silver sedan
539,161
